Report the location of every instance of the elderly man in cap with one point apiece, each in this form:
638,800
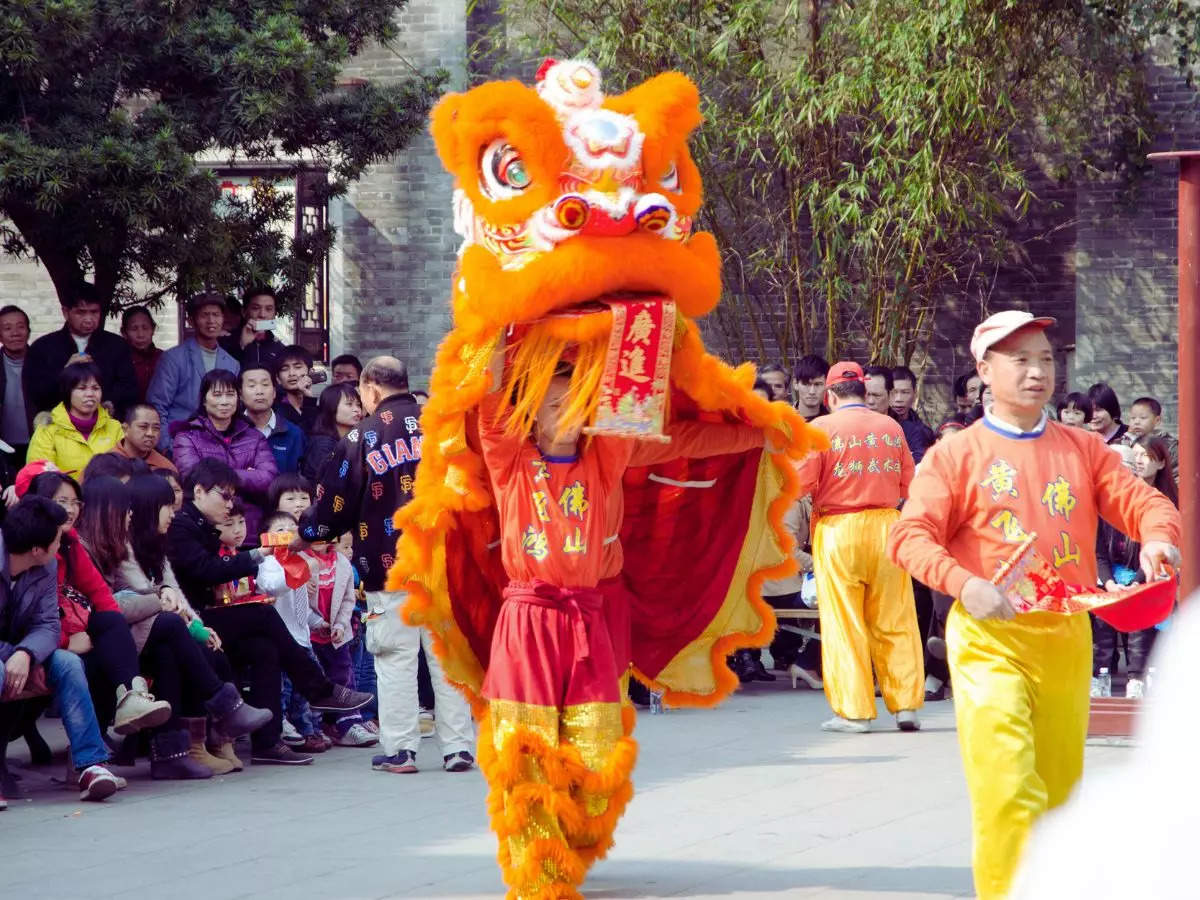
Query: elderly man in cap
1020,681
868,619
175,388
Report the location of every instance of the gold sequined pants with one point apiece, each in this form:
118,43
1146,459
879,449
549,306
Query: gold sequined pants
559,780
1021,701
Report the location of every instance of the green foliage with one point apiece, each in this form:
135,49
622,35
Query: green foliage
106,104
866,161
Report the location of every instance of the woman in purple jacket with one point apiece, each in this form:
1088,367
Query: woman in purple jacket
219,430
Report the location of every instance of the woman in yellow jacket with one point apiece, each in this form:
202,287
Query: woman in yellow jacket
79,426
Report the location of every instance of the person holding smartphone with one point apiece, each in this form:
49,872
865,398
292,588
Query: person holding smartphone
254,345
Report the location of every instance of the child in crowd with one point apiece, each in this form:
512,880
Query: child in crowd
292,604
291,493
233,537
364,663
333,602
1145,421
1075,410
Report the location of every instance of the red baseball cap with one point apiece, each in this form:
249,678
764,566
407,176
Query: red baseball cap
843,371
29,472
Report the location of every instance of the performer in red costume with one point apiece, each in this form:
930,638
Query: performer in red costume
549,567
555,670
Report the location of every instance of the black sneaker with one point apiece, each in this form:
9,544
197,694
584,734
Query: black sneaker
402,763
280,755
458,762
341,699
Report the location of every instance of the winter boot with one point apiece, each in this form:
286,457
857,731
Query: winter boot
169,758
222,749
198,752
137,708
232,716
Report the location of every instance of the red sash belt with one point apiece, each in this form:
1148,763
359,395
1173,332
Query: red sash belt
579,603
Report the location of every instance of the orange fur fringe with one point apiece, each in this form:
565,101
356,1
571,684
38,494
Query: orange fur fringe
560,791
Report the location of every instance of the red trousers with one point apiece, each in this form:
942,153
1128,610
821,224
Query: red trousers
552,647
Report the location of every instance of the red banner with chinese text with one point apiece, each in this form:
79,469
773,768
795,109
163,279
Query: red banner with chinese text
637,369
1030,583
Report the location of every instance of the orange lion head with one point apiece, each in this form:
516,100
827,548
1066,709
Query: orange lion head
564,195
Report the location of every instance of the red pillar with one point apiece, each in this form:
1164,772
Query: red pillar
1189,362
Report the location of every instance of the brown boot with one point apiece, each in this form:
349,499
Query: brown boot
225,753
197,733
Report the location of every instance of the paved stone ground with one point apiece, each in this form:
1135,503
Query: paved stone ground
749,800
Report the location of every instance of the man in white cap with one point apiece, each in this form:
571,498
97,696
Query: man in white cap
1020,681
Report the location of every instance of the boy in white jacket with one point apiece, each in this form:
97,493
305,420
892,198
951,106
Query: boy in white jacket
331,602
293,607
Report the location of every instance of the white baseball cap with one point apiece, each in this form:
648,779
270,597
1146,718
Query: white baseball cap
998,326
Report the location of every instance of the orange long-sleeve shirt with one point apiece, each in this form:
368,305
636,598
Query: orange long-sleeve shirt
983,490
867,466
560,516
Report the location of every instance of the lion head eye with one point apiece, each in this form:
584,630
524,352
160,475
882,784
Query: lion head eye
503,170
670,181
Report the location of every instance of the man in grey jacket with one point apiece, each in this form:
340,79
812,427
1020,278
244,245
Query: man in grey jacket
29,636
175,388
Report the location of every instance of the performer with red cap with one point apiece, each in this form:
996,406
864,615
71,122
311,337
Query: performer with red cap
868,618
1020,680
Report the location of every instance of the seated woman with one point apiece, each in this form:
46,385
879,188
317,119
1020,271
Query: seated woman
169,636
253,634
338,411
219,431
92,626
79,426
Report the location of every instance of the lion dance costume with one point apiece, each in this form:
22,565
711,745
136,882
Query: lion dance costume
576,213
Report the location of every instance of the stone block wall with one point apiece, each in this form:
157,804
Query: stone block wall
390,275
1126,262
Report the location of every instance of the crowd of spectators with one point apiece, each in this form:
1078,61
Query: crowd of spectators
136,600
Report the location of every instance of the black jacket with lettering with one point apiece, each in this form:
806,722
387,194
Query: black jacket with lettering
369,477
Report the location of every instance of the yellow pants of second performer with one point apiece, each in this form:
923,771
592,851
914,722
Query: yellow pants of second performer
867,616
1021,701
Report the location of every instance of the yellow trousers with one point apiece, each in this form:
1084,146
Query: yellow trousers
867,616
1021,701
559,780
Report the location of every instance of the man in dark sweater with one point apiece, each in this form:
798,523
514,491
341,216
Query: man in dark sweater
254,343
81,339
920,437
369,477
29,635
253,634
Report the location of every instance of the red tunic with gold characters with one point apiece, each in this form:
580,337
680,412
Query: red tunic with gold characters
560,516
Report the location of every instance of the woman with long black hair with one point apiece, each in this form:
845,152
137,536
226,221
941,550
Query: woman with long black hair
159,617
339,410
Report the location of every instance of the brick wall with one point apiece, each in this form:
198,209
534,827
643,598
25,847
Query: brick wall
1127,287
390,275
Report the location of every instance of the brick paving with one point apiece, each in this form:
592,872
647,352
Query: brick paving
750,800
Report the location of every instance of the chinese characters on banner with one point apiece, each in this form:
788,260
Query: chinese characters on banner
634,385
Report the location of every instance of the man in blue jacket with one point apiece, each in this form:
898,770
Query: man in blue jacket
175,388
29,633
287,441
